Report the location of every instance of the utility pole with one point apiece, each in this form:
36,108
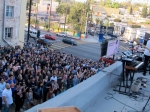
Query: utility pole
49,22
29,16
86,24
36,13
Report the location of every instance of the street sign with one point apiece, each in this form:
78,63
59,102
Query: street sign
101,37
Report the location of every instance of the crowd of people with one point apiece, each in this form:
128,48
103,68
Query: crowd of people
35,74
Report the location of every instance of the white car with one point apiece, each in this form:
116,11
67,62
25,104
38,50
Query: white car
62,34
130,43
26,29
122,39
42,36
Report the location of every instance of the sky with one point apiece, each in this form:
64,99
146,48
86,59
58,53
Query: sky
133,1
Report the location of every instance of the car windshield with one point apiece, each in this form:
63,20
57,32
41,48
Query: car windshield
72,40
46,41
51,34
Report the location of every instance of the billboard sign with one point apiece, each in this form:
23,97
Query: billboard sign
112,47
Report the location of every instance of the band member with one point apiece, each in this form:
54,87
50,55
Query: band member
146,56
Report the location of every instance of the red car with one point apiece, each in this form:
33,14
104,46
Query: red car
50,36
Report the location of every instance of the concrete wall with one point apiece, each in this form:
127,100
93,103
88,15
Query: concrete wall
82,95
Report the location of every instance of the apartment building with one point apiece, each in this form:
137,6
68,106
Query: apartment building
12,21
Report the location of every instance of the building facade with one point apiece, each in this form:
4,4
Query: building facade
12,21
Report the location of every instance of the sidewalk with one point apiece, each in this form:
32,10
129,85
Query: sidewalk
91,39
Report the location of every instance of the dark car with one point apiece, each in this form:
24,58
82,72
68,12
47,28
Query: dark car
44,42
69,41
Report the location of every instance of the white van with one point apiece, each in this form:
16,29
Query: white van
33,33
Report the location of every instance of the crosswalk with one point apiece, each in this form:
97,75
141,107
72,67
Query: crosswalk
124,48
61,45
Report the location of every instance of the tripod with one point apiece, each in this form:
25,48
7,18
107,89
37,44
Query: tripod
146,103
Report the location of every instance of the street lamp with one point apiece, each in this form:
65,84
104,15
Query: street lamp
49,22
36,12
86,25
106,24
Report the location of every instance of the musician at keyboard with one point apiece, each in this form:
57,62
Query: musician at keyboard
147,56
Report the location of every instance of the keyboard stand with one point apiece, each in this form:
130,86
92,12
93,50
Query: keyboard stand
123,81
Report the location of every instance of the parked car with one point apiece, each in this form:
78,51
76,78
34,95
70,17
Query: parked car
62,34
92,32
122,39
69,41
97,32
50,36
44,42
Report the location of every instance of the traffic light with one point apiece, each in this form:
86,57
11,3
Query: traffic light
104,47
38,33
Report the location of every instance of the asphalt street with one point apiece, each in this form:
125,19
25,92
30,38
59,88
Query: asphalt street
84,49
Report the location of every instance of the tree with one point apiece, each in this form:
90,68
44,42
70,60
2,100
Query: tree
77,15
102,2
97,20
57,1
149,11
144,11
36,10
136,6
125,4
115,5
62,7
130,10
27,6
108,3
32,21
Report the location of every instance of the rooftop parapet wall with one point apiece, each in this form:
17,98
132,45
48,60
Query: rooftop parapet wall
82,95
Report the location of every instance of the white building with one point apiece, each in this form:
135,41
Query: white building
132,33
43,5
12,21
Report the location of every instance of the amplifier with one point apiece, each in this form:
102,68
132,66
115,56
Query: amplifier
136,86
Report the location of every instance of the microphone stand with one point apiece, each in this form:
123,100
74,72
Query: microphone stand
146,103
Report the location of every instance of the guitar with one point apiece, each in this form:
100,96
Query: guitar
141,44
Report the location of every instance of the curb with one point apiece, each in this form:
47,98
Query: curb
55,33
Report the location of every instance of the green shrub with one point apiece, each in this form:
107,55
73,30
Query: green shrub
136,26
117,20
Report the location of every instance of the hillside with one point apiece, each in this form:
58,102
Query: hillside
110,10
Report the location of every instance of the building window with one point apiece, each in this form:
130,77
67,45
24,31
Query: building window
8,32
9,11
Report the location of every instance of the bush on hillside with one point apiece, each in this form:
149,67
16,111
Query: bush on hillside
117,20
136,26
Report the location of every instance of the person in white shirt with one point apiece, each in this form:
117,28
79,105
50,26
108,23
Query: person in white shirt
54,77
7,99
2,87
147,57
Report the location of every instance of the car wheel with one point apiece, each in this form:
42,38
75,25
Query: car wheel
72,44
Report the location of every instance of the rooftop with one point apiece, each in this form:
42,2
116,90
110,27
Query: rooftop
112,101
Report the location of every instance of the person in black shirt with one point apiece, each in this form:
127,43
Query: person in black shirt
39,92
18,97
32,85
